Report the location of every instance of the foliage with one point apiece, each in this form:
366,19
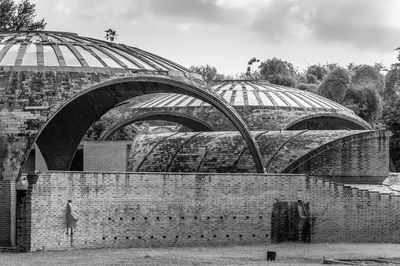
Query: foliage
278,71
335,85
308,87
107,120
250,73
315,73
364,74
391,118
111,35
19,17
392,83
209,73
365,101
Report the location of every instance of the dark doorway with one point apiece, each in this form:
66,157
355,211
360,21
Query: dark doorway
290,221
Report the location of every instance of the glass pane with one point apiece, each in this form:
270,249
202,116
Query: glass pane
129,56
50,58
108,60
11,55
69,57
128,63
89,58
30,56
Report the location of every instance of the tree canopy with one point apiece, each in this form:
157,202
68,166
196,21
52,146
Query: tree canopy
19,17
335,85
278,71
209,73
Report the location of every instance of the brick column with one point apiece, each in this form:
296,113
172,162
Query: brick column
24,214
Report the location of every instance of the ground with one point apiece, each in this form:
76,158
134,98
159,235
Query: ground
287,254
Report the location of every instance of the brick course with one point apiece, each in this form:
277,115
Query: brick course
149,209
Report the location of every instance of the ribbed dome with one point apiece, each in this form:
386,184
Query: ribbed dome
68,50
252,93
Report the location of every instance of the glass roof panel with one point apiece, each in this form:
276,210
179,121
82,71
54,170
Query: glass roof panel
128,63
30,56
239,99
69,57
89,58
129,56
252,98
10,56
108,60
50,58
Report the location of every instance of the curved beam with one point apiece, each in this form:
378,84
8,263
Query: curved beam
60,136
352,123
188,121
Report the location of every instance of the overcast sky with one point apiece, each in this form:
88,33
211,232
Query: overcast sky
227,33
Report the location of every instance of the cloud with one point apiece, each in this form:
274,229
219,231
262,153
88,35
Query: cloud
361,23
364,24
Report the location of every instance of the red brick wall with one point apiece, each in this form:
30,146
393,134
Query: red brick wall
149,209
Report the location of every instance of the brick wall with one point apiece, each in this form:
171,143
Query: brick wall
7,213
354,159
342,155
102,157
149,209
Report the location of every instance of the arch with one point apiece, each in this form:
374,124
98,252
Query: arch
337,121
61,134
330,144
188,121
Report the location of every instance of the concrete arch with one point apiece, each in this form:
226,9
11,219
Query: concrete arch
188,121
338,121
61,134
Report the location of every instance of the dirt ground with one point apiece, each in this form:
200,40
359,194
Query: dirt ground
287,254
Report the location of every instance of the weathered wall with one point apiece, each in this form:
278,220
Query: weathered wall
7,212
343,155
149,209
103,157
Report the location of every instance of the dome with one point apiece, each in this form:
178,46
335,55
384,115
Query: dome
262,105
253,93
69,51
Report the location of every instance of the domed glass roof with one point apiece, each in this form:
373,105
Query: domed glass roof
252,93
68,50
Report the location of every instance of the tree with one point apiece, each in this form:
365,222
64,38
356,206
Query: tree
335,85
365,74
111,35
392,83
19,17
315,74
278,72
209,73
365,101
391,118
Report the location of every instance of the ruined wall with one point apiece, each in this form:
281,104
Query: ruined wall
149,209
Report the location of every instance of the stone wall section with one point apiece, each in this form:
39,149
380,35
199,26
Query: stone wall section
150,210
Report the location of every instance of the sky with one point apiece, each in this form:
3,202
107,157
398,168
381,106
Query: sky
227,33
